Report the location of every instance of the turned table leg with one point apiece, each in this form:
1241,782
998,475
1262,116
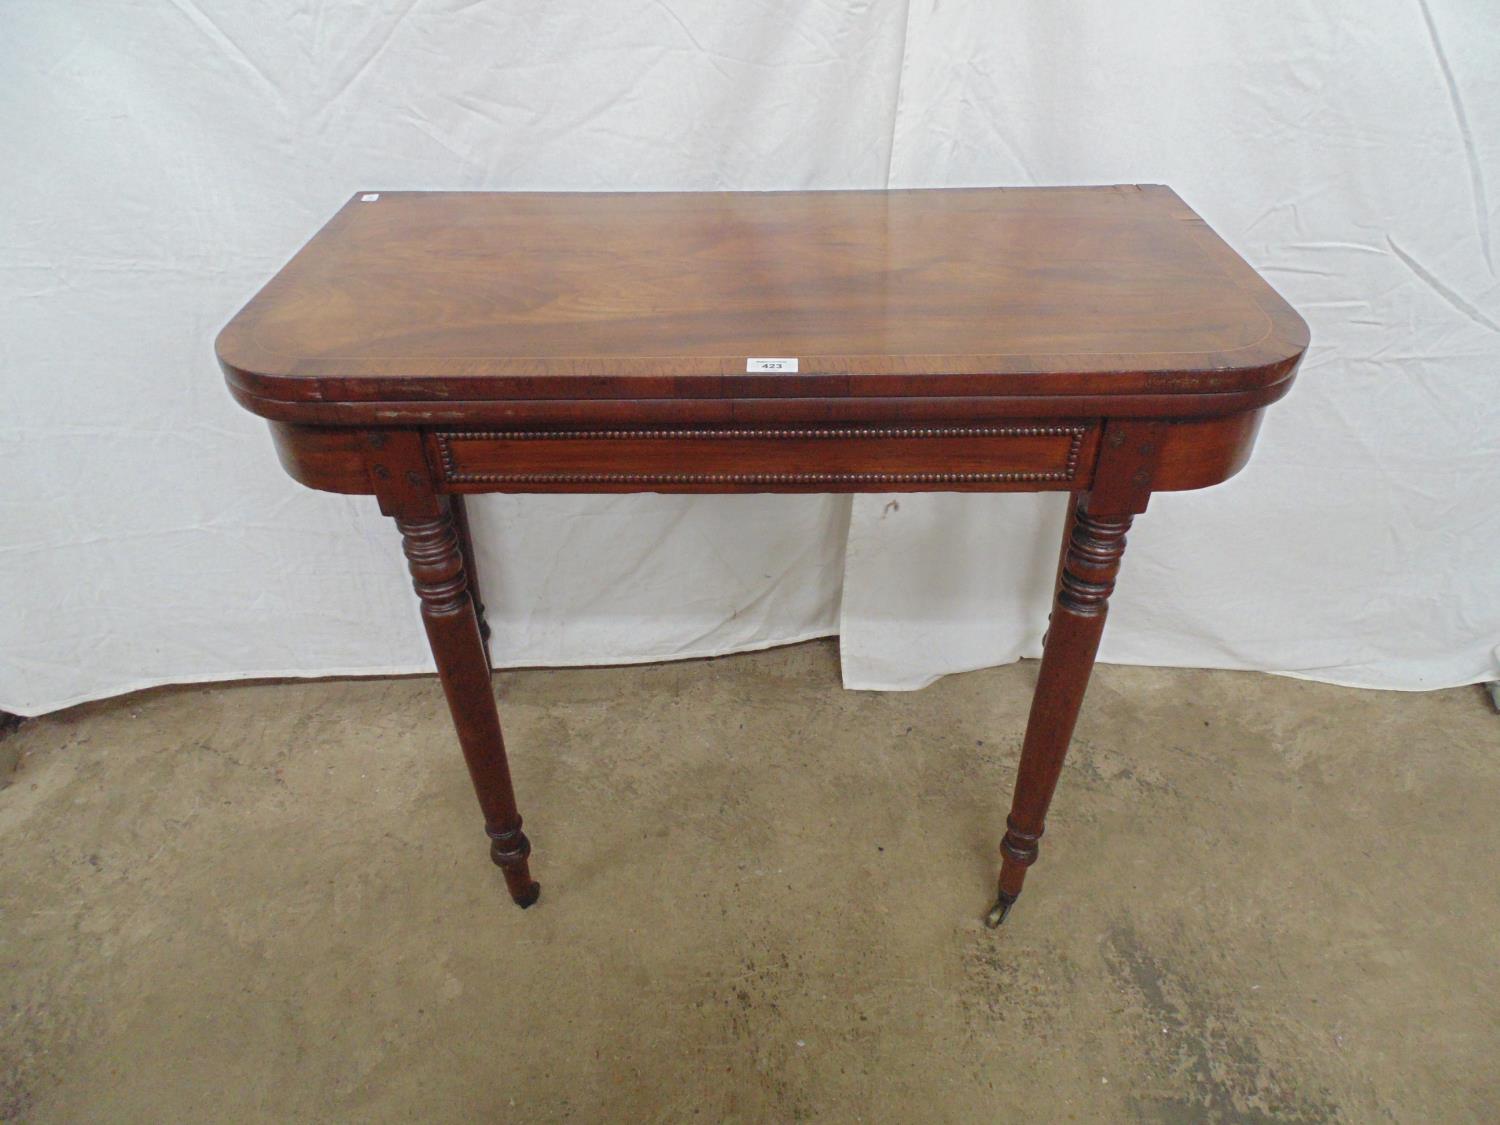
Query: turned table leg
466,547
1094,540
436,557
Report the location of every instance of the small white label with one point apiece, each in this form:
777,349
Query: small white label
369,197
784,364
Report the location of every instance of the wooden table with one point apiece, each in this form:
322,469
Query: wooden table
1102,342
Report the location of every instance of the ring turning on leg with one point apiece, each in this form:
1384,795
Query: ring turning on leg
510,850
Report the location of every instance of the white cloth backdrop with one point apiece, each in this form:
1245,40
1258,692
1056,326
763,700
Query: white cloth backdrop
163,157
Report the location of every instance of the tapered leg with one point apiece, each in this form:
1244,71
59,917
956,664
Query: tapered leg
435,556
466,547
1091,559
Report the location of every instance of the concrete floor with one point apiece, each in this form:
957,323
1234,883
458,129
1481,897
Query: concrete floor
1258,899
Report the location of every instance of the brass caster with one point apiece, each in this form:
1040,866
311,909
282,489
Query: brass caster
1000,910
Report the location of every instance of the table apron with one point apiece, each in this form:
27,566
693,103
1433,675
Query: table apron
1010,455
1017,456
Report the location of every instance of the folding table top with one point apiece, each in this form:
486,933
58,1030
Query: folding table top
446,296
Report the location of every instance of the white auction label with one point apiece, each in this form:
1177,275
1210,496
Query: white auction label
369,197
771,364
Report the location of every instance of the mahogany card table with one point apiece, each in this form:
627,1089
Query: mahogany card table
1101,342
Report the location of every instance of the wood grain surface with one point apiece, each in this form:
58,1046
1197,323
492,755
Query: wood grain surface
436,296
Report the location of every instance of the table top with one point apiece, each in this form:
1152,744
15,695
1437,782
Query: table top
445,296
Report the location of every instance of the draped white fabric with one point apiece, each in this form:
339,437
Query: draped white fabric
163,159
